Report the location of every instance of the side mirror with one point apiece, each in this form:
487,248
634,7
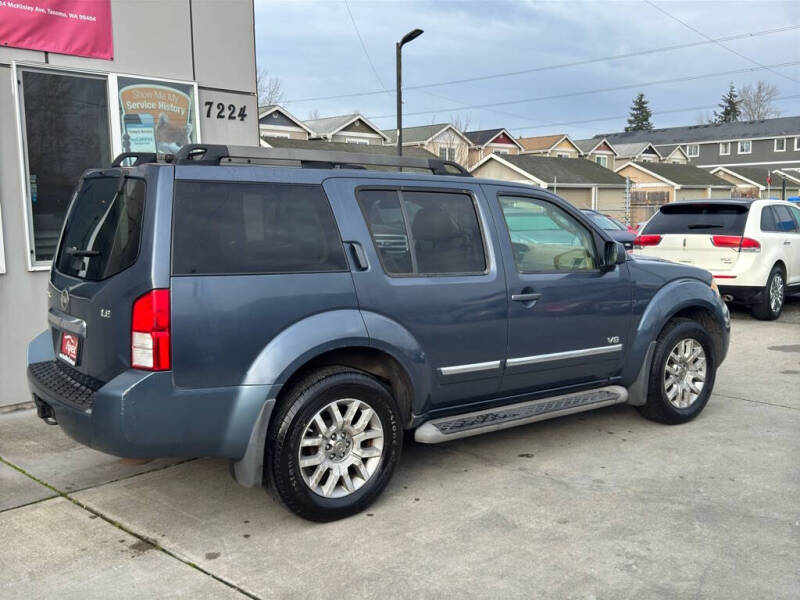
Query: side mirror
614,254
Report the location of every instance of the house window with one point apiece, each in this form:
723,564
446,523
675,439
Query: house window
745,147
447,153
59,109
693,150
780,145
724,148
562,155
273,134
356,141
602,161
500,151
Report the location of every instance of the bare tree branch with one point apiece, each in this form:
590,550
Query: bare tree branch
270,89
758,102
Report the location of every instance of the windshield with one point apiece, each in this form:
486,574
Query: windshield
702,218
103,229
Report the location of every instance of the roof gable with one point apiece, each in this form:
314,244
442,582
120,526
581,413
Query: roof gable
329,126
422,134
277,115
492,136
545,142
678,175
561,171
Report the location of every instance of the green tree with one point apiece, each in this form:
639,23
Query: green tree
639,118
729,107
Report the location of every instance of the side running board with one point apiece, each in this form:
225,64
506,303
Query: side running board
504,417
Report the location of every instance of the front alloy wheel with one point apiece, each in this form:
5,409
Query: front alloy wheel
685,373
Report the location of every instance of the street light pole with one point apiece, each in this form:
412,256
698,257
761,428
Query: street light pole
411,35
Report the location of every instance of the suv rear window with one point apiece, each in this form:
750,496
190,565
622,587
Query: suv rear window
716,219
253,228
103,230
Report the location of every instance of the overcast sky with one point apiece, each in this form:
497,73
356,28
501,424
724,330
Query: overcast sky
314,48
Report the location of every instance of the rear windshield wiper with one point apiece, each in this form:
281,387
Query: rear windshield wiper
704,226
83,253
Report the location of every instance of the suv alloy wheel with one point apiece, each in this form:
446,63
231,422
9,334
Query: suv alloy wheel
770,304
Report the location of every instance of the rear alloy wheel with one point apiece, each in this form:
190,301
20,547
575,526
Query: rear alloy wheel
333,443
770,305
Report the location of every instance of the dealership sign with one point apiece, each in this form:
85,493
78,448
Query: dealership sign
77,27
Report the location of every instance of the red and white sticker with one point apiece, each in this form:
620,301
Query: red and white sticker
69,348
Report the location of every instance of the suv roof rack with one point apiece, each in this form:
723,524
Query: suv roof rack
216,154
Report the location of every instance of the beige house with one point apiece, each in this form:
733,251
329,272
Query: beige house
598,150
583,183
276,121
559,145
442,139
491,141
674,154
758,182
637,152
349,129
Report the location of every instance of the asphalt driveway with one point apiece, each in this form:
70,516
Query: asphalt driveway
595,505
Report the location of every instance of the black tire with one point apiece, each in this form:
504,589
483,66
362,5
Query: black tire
658,407
288,424
763,309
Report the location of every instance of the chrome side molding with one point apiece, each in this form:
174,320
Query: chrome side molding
540,358
471,368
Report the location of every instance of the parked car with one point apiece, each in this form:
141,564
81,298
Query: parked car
615,229
621,225
752,247
298,320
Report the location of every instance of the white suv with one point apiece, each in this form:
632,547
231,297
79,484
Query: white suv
752,247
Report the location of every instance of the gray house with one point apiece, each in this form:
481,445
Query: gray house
768,143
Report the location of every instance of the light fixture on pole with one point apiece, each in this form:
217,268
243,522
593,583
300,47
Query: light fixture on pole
411,35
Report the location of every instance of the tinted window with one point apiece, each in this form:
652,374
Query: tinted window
796,214
716,219
424,233
546,238
103,229
783,218
248,228
768,219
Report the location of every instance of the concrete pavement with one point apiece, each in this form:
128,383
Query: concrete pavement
596,505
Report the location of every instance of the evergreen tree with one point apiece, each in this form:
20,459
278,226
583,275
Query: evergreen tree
729,106
639,118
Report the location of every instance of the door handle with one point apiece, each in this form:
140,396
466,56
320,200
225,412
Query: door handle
358,255
530,297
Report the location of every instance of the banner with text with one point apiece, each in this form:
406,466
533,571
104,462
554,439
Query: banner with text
76,27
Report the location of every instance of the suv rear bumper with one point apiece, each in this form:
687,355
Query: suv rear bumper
745,294
141,414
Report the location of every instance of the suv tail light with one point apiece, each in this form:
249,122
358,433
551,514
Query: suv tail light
738,243
150,339
643,241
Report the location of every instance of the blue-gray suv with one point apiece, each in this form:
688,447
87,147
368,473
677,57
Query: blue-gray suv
297,311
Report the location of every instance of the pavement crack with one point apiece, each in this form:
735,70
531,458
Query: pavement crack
142,538
755,401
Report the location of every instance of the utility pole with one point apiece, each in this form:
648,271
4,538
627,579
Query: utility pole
411,35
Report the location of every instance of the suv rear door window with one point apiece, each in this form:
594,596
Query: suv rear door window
702,218
103,230
768,220
783,218
253,228
424,232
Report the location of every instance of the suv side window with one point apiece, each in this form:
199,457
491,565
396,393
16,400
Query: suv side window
783,218
544,237
424,232
768,220
253,228
796,214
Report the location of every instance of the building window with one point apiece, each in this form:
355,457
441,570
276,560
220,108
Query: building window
724,148
745,147
562,155
693,150
500,151
157,116
601,160
65,126
447,153
780,145
356,141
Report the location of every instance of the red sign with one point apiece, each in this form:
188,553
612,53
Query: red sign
77,27
69,348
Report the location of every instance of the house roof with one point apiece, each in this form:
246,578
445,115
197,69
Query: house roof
263,111
564,171
279,142
634,149
422,133
756,175
587,146
682,175
328,126
710,132
543,142
485,136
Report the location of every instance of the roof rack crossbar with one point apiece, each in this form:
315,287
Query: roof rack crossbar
141,158
215,154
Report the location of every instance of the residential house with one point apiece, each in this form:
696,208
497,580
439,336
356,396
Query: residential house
657,183
373,149
443,139
489,141
276,121
599,151
584,183
673,153
637,152
350,129
559,145
758,182
768,143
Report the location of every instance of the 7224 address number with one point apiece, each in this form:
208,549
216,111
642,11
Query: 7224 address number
226,112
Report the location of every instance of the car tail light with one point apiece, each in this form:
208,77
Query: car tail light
150,339
738,243
643,241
